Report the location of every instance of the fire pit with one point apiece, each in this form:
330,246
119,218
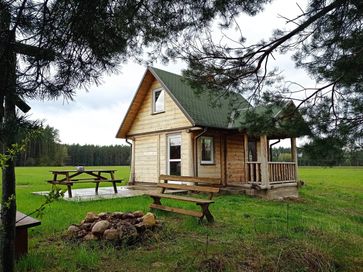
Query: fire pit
120,227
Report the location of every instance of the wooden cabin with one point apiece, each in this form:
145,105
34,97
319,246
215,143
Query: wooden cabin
177,131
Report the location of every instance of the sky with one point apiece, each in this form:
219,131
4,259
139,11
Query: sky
94,116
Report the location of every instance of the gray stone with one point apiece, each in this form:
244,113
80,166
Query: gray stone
90,217
90,237
86,226
127,232
102,216
73,230
111,234
100,227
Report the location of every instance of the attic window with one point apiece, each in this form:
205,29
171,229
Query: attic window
158,100
207,150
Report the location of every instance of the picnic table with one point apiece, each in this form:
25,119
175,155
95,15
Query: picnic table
70,177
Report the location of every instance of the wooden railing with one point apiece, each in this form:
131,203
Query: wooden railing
278,172
253,172
282,172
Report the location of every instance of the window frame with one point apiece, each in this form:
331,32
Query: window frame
153,102
209,162
169,160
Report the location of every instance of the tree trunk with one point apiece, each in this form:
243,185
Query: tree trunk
8,138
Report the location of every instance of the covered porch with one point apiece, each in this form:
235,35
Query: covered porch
261,171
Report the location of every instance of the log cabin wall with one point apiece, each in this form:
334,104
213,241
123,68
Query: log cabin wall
146,158
151,157
211,170
235,159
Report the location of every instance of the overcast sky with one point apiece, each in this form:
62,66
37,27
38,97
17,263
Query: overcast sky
95,116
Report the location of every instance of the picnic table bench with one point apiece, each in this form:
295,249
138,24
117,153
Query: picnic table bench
70,177
186,183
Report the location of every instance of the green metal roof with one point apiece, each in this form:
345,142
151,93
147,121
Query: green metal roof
205,108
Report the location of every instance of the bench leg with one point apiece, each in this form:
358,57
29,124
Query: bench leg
114,187
69,186
97,184
206,213
156,200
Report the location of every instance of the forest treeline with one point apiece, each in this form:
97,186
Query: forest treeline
45,149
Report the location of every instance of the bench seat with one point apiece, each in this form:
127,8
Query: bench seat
70,183
84,181
182,198
208,185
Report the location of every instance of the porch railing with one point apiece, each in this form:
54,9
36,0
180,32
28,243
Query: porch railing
253,171
278,172
282,172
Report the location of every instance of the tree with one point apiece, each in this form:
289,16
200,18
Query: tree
326,40
49,48
326,152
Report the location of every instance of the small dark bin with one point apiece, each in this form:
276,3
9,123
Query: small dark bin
21,235
23,222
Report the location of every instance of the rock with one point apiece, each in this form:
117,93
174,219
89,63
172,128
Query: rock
90,237
73,230
90,217
100,227
102,215
128,216
138,214
140,227
149,219
127,233
111,234
86,226
117,215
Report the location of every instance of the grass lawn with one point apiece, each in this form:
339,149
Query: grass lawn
323,231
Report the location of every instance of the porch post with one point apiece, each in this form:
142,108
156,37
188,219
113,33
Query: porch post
265,177
294,155
245,143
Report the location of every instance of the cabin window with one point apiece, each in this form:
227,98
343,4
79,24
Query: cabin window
174,155
207,150
158,101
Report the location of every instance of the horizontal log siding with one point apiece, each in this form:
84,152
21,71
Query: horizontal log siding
146,122
235,159
210,170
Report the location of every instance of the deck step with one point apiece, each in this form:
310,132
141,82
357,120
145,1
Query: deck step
177,210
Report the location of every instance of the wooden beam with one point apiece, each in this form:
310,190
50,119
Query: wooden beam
294,155
265,179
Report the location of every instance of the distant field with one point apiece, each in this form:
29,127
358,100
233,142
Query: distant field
321,232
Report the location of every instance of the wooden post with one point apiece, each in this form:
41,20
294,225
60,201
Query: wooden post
265,178
294,155
245,147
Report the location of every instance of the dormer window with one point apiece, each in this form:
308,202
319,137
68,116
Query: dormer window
158,100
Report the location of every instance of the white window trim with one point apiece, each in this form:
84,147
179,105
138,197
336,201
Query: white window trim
168,150
153,101
201,150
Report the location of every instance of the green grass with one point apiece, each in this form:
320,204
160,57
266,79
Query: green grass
323,231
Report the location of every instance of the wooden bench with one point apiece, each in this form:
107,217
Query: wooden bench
201,185
70,183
